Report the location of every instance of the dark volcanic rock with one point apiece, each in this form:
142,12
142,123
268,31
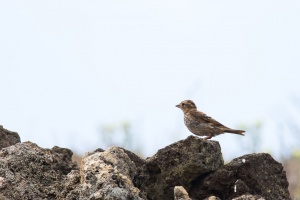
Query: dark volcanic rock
30,172
178,164
256,174
8,138
194,165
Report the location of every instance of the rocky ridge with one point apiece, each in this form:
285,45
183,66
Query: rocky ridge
188,169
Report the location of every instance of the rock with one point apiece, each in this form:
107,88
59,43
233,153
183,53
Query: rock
257,174
188,169
249,197
8,138
178,164
71,190
180,193
212,198
30,172
108,175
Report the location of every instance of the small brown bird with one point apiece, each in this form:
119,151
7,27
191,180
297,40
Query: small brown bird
201,124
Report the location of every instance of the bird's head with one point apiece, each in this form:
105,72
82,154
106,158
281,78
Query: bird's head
186,105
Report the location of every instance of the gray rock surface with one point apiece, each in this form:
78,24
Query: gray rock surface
257,174
8,138
180,193
249,197
108,175
178,164
212,198
30,172
191,168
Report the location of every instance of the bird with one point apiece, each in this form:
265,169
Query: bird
202,125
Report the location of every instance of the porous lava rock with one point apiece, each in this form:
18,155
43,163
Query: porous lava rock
255,174
180,193
249,197
178,164
192,168
108,175
30,172
8,138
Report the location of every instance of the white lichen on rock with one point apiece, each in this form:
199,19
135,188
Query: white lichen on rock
180,193
109,175
2,183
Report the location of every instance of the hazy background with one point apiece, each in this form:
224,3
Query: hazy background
88,74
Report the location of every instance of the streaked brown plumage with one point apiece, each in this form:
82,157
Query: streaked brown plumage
201,124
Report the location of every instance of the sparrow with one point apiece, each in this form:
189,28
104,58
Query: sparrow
200,124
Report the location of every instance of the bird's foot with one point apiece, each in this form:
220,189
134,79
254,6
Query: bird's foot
208,137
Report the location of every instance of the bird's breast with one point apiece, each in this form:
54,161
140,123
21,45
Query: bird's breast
195,124
196,127
191,123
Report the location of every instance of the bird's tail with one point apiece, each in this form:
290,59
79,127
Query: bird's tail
239,132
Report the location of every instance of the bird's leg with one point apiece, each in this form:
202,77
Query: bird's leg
208,137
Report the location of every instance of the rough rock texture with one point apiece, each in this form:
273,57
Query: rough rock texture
249,197
178,164
8,138
180,193
256,174
71,189
30,172
212,198
108,175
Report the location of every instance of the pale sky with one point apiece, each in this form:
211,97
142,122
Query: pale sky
69,67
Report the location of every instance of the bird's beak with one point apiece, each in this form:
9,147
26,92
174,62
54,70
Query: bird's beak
178,106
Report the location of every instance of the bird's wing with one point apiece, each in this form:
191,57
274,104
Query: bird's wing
202,117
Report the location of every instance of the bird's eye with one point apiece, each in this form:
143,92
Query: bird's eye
183,104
